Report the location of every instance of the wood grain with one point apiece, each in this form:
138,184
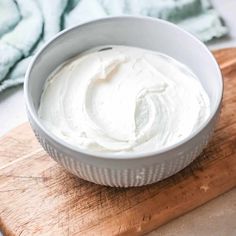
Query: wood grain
38,197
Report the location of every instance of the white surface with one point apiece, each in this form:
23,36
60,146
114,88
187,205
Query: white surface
12,109
215,218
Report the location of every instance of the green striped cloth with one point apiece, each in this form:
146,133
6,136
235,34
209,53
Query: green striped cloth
25,25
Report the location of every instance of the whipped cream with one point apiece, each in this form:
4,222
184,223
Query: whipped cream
119,99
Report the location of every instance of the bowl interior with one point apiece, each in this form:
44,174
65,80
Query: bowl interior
141,32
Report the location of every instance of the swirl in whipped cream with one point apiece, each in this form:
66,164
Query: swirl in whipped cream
117,98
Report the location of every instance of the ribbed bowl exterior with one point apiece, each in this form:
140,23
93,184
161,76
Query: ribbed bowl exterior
127,177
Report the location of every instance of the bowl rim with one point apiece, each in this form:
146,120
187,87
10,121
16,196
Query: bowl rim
120,155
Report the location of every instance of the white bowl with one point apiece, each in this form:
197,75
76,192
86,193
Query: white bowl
149,33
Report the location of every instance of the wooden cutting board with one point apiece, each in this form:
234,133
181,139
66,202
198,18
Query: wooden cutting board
38,197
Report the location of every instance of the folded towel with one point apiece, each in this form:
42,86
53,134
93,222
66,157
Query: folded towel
9,15
52,13
25,25
18,42
84,11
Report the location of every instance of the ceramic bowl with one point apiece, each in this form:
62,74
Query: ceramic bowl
149,33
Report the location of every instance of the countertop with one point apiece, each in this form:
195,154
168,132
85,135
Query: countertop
218,217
